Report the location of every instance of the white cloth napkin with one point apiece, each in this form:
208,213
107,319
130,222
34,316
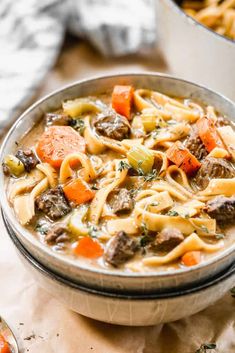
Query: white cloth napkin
32,32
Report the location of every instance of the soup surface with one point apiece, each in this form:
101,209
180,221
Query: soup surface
134,180
219,15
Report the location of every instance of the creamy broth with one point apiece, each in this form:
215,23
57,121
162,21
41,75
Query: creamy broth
134,180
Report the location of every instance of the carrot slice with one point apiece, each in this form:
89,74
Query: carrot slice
191,258
208,134
4,345
57,142
122,98
78,191
89,248
183,158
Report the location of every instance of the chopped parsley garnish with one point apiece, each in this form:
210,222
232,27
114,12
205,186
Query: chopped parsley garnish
93,187
155,203
204,229
172,213
42,227
205,347
219,236
93,231
140,172
155,133
78,124
144,240
144,229
153,175
123,165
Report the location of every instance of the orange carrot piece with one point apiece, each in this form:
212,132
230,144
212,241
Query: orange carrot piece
4,345
208,134
57,142
122,99
89,248
183,158
191,258
78,191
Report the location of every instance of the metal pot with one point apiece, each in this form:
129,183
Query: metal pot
193,51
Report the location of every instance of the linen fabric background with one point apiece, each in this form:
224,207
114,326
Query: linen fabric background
32,33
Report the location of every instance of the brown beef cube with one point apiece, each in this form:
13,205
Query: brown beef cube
168,239
222,209
53,203
120,249
57,234
28,158
112,125
120,201
213,168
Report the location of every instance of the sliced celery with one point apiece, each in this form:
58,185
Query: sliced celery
80,106
16,167
141,158
149,122
76,225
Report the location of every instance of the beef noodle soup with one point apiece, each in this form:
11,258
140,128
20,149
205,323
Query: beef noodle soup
134,179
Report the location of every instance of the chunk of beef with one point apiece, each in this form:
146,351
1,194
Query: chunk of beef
28,158
120,201
112,125
57,234
195,145
222,209
53,203
168,239
213,168
120,249
57,119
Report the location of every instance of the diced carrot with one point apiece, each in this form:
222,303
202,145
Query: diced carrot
78,191
208,134
122,99
191,258
4,345
89,248
57,142
183,158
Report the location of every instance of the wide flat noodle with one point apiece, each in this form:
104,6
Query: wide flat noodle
219,187
191,243
97,203
93,141
50,173
24,206
66,172
127,224
25,185
157,222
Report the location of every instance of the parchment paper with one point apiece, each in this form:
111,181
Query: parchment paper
42,325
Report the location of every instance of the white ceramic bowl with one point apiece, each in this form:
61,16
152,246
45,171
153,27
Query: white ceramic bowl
126,309
80,272
193,51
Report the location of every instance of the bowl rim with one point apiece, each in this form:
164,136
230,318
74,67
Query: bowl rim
178,9
71,262
110,294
